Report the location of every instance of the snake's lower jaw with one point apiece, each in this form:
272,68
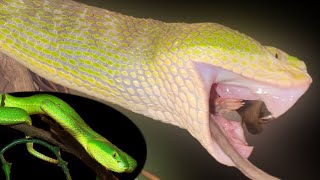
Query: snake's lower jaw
226,84
132,164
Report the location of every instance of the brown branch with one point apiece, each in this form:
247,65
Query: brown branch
13,76
149,175
37,132
68,144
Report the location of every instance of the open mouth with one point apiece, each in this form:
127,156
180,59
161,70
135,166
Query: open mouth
254,101
253,114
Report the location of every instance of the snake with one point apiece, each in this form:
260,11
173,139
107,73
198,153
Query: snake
17,110
184,74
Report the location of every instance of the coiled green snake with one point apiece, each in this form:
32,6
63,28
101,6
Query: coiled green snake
187,75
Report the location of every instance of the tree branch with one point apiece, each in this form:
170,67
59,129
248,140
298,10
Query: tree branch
69,144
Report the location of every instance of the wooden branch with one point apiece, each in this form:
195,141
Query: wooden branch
13,76
68,144
149,175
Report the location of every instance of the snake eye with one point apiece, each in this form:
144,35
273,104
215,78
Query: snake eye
114,155
279,55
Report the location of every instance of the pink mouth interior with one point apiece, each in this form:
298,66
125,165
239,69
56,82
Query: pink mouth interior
226,84
232,130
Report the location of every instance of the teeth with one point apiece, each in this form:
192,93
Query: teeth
267,117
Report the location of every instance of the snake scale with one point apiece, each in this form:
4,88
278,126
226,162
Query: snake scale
167,71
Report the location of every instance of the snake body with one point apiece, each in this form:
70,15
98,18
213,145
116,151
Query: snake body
161,70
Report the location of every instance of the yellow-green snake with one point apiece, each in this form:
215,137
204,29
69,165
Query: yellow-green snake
183,74
16,110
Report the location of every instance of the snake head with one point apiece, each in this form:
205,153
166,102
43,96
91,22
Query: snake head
243,69
110,156
200,63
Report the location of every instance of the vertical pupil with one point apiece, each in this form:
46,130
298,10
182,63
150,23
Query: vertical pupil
276,55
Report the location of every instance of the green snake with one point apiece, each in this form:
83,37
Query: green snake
16,110
183,74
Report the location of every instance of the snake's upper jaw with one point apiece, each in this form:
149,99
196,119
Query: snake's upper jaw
226,84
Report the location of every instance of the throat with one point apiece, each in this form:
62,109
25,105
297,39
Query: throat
233,130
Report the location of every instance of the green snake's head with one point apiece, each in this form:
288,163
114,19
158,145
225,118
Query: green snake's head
111,157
